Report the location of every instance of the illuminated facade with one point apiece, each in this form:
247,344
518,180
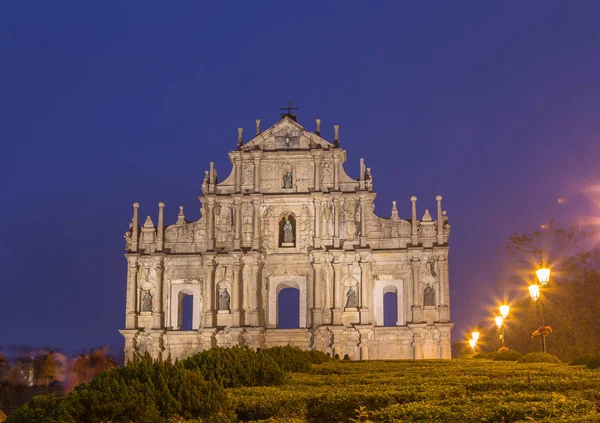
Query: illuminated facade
288,216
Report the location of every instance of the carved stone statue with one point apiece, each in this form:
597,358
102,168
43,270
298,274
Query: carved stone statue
368,179
288,232
224,299
351,298
429,296
147,301
287,180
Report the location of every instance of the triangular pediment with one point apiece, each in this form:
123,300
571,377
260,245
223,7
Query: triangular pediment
285,135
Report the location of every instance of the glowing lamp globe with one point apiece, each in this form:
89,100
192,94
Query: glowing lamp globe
534,291
504,309
499,321
472,343
543,276
475,336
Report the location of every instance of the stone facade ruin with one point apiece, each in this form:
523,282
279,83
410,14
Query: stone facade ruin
289,216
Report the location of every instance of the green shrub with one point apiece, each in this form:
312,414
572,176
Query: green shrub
317,357
237,366
539,357
591,361
505,355
139,392
290,359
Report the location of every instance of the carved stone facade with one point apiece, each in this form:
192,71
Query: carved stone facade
288,216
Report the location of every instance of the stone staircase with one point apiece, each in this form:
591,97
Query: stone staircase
13,396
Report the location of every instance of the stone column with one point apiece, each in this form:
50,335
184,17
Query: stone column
365,290
209,317
166,295
317,311
417,296
238,174
336,222
161,227
444,296
318,206
135,229
336,172
157,311
363,222
132,270
337,306
256,223
318,165
256,172
235,300
445,345
210,205
237,240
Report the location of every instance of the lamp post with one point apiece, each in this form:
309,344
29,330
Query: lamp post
504,309
543,276
473,341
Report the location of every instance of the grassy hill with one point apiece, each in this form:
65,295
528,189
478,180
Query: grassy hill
446,391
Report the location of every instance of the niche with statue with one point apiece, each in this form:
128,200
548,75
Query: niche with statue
287,231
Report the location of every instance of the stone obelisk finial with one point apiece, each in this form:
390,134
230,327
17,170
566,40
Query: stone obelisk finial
414,234
318,130
336,135
240,137
161,227
440,221
134,229
257,127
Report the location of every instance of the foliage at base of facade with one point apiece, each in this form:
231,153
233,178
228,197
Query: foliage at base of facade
540,357
237,366
289,359
140,392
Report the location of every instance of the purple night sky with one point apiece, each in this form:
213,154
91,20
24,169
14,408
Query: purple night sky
492,105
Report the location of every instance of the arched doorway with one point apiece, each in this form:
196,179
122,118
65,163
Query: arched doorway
390,307
187,311
276,285
288,308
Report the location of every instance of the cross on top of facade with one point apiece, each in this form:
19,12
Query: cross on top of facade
289,108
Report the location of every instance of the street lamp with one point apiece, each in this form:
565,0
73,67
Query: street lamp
475,336
504,309
534,291
472,343
500,325
543,276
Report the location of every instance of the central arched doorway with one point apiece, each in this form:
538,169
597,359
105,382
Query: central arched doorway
390,307
288,305
288,308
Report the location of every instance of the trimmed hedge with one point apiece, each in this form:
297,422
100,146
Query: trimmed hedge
237,366
139,392
290,359
591,361
539,357
505,355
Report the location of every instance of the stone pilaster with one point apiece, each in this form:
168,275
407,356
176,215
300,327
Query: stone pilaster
336,221
235,297
237,240
257,156
256,200
337,295
157,301
318,199
363,221
317,310
318,155
131,300
210,224
417,316
366,288
135,235
209,306
336,171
